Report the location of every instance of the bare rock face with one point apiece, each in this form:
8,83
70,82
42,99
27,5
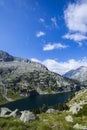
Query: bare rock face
27,116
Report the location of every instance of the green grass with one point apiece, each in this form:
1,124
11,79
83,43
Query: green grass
79,96
13,95
2,99
44,121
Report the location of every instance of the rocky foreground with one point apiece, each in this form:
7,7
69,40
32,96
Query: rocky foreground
74,118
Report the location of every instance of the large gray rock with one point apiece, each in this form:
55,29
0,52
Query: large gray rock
27,116
69,118
75,108
15,113
80,127
5,112
51,110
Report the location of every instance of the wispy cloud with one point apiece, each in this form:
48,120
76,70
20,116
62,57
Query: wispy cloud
76,21
50,46
63,67
41,20
35,60
40,33
75,36
54,21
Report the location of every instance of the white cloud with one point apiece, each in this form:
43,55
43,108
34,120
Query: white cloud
76,20
53,46
40,33
54,21
63,67
75,36
76,17
35,60
41,20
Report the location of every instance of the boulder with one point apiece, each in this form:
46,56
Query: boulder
80,127
75,108
51,110
69,118
27,116
4,112
16,113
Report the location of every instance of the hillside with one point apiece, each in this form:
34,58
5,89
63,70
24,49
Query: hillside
21,77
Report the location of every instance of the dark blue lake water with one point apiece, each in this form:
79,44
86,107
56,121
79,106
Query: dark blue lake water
35,102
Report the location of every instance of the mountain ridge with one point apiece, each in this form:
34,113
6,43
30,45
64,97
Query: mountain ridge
79,74
21,77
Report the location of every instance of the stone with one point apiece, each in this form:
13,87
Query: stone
51,110
80,127
75,108
27,116
15,113
4,112
69,118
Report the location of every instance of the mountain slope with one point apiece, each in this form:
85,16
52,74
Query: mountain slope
22,77
79,74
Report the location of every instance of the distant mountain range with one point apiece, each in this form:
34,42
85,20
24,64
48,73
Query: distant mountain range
79,74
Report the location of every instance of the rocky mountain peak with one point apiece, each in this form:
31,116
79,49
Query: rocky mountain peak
4,56
79,74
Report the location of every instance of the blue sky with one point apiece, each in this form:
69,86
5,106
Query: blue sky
52,32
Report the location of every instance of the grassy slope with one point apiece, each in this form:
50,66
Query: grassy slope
2,99
79,96
44,122
10,95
